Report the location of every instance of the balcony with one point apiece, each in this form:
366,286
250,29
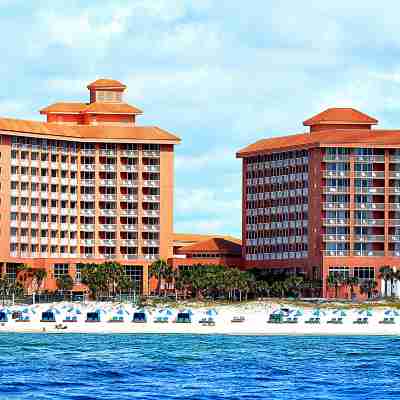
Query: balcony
87,212
151,153
335,222
336,253
336,189
368,253
395,253
108,197
87,182
336,158
369,159
108,182
87,197
336,238
369,238
129,168
394,222
369,190
130,256
64,227
132,212
151,256
64,166
109,153
129,228
129,183
129,153
335,206
147,183
369,174
88,152
151,228
108,242
394,174
151,242
129,242
87,227
73,227
369,222
151,198
151,168
107,167
151,213
88,167
336,174
108,213
88,242
369,206
108,227
128,197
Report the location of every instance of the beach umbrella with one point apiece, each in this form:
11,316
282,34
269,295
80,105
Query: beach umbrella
367,312
54,310
74,310
187,311
391,313
339,313
6,311
317,312
212,312
277,312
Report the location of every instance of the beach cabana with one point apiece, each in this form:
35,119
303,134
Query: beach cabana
389,316
4,313
337,316
48,316
72,314
362,316
139,316
117,315
163,315
93,316
316,315
184,316
21,314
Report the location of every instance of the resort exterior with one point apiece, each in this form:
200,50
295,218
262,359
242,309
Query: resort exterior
324,202
86,186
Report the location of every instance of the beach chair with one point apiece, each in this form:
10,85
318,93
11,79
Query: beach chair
387,320
238,319
313,321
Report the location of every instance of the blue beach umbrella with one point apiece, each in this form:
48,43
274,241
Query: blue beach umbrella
391,313
6,311
54,310
317,312
367,312
187,311
212,312
74,310
339,313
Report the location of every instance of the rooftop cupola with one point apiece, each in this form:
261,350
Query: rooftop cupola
106,91
339,118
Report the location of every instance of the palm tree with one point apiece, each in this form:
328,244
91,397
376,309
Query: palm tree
65,283
385,274
335,281
352,281
157,270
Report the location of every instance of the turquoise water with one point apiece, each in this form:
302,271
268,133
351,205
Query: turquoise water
89,367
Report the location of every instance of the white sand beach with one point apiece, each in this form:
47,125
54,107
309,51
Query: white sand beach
117,318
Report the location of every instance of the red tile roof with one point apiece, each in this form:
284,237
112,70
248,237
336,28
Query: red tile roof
213,245
340,116
111,108
347,137
106,84
98,132
93,108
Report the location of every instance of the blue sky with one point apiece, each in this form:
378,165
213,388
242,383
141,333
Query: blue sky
220,74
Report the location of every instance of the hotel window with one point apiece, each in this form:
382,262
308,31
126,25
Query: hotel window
11,271
364,273
342,271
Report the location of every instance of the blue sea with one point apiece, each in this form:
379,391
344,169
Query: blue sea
91,367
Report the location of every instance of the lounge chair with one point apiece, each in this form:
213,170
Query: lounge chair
335,321
23,319
161,320
70,319
207,322
183,318
389,321
238,319
291,320
116,319
313,321
361,321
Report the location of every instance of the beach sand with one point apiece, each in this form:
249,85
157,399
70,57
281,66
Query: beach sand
256,317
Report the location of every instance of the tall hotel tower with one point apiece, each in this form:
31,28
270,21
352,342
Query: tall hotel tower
326,201
86,186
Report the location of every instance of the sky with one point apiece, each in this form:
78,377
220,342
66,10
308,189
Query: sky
219,74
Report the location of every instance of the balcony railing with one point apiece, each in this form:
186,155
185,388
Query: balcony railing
335,206
151,153
110,153
129,168
336,189
129,153
369,174
151,168
151,198
369,190
336,158
336,174
107,167
369,222
333,221
151,228
394,222
128,197
129,242
369,159
108,197
129,228
369,238
151,183
336,238
368,253
88,152
127,212
87,227
369,206
108,182
336,253
151,213
107,227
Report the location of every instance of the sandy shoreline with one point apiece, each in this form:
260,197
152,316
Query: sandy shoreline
255,323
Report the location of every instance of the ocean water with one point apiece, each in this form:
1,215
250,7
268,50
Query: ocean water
89,367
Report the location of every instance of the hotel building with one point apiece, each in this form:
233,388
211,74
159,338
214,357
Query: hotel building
324,201
86,186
